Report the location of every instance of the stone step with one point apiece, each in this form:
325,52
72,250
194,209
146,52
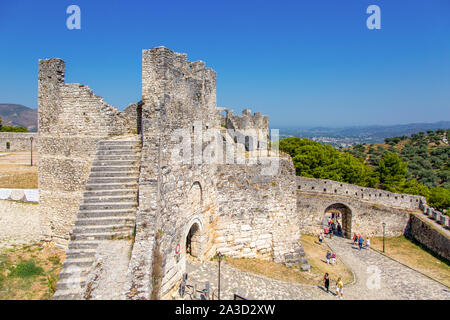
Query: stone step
114,162
105,235
83,245
119,142
65,275
101,174
79,262
79,253
74,251
105,213
66,294
128,220
104,153
110,186
110,199
115,156
108,206
96,180
71,283
117,147
114,168
98,229
114,193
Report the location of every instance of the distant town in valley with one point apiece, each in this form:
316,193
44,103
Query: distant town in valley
344,137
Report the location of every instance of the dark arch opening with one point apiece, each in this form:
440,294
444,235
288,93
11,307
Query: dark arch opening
192,241
341,214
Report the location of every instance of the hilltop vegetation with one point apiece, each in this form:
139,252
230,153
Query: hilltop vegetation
11,128
416,165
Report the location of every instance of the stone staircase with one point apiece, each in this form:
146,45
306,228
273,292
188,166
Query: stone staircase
107,211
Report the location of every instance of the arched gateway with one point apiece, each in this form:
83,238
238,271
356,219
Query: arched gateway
342,214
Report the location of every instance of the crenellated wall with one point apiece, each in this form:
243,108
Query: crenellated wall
374,196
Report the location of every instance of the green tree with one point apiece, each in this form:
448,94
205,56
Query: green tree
392,171
439,198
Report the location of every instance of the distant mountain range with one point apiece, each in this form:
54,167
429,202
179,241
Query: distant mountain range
19,115
363,134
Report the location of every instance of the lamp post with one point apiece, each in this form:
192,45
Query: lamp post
219,255
31,140
384,229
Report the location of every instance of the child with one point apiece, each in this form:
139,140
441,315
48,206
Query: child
368,243
333,259
340,288
328,256
361,241
320,238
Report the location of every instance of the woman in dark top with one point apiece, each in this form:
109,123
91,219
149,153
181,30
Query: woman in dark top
326,281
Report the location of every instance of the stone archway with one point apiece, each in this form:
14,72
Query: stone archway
343,214
193,241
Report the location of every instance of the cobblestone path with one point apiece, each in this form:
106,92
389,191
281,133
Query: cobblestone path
395,280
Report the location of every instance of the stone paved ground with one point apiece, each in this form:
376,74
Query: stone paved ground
396,280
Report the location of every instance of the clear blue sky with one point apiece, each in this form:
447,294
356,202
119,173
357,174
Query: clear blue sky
303,63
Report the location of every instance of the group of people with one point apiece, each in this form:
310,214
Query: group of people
331,257
359,240
334,226
339,285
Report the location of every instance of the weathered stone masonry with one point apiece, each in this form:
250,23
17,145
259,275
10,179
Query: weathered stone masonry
17,141
72,119
179,204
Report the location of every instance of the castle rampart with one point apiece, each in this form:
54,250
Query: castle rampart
17,141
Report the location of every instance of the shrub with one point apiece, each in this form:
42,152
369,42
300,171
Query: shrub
26,269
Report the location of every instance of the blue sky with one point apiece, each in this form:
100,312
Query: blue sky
304,63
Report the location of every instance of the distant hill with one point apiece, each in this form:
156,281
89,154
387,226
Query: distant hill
366,134
19,115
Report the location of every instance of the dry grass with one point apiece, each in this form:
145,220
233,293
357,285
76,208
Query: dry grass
316,257
414,256
30,272
16,172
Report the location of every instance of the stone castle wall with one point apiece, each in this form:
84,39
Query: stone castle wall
17,141
366,218
72,119
177,94
257,213
431,236
374,196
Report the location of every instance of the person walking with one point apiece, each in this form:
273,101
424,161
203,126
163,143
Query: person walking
326,282
329,221
360,242
340,288
368,243
328,256
320,238
339,229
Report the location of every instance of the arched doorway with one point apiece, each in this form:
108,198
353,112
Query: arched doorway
342,215
193,243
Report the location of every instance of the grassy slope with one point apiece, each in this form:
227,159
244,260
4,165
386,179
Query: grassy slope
29,272
412,255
